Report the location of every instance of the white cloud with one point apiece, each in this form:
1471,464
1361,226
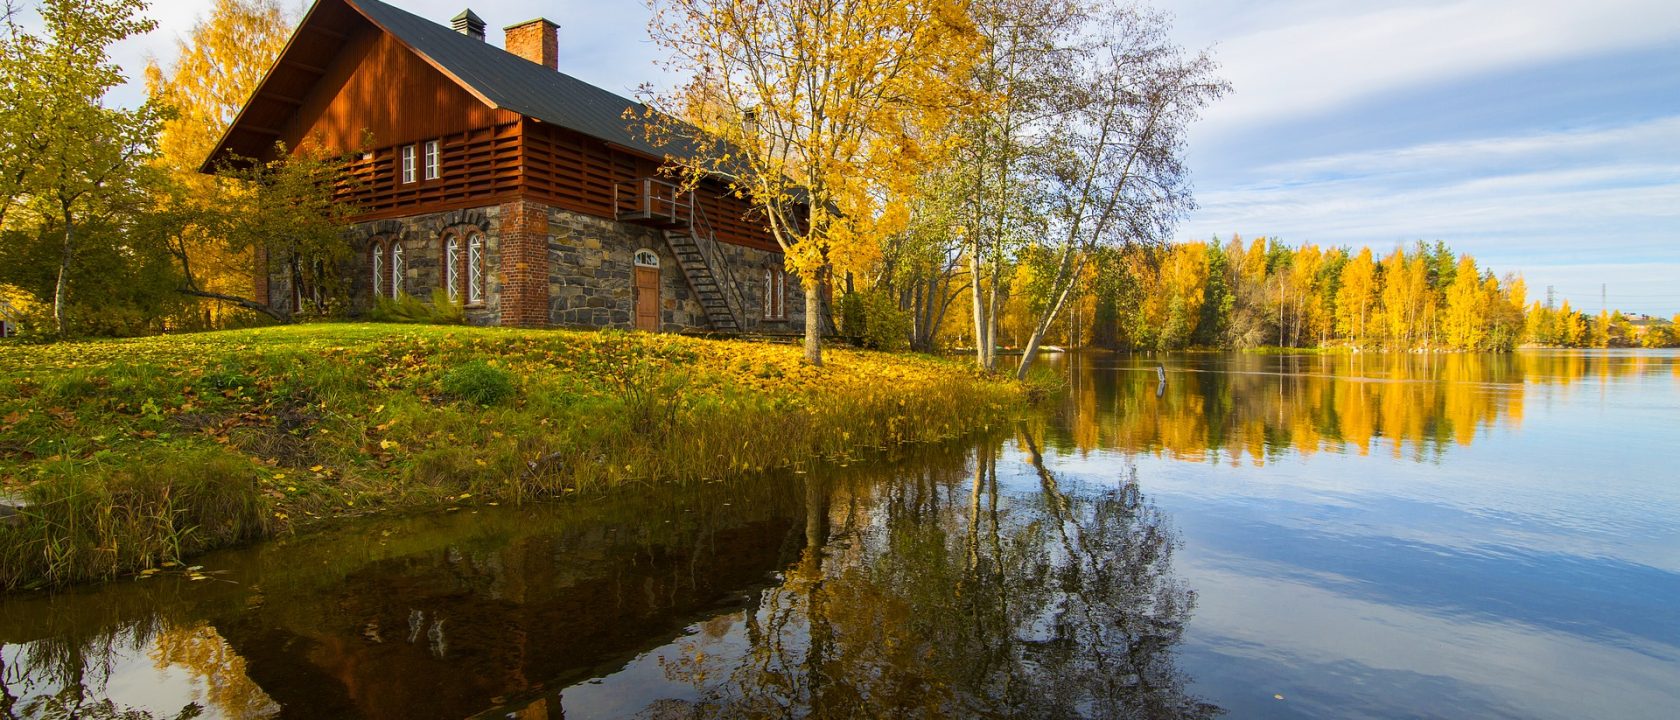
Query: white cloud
1321,57
1659,138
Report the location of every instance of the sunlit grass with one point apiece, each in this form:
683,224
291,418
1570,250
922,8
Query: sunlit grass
139,451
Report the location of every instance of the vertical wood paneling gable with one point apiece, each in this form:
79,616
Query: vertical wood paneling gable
377,87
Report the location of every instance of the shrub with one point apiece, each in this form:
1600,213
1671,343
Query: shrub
479,382
406,308
875,320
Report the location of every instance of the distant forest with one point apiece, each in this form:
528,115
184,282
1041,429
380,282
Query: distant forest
1266,293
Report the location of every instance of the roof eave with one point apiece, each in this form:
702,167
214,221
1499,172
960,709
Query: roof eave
209,165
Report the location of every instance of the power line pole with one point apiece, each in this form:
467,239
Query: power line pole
1604,297
1551,295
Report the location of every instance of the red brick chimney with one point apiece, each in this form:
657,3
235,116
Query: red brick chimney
537,41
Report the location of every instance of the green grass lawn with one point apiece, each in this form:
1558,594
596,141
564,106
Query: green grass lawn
135,452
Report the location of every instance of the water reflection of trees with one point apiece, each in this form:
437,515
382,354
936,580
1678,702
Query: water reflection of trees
1231,407
64,677
938,595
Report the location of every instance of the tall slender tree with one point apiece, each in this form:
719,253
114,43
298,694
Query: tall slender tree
216,69
78,161
1116,175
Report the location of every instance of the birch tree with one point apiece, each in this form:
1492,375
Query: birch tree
77,162
1117,176
1029,48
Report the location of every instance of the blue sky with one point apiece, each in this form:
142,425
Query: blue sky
1541,136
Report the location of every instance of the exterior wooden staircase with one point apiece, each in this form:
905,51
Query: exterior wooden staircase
661,204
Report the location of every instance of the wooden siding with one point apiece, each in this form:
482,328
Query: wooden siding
733,218
351,88
378,91
477,167
576,172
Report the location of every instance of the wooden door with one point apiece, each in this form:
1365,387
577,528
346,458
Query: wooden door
647,299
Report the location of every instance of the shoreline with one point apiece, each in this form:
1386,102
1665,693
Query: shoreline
127,454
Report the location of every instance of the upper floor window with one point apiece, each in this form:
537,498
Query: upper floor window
775,294
408,164
434,160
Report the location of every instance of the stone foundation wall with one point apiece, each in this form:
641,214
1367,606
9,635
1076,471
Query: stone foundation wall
548,266
422,240
591,278
746,268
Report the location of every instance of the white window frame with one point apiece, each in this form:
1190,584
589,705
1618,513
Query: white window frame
775,294
434,160
398,269
452,266
378,268
475,268
408,164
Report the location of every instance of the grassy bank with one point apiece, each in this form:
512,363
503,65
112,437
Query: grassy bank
134,453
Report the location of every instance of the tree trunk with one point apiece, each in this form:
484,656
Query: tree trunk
992,315
982,341
241,302
813,319
1068,275
61,288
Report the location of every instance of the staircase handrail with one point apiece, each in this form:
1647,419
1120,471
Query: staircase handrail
705,238
642,199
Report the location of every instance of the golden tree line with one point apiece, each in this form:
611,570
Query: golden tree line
1264,292
1417,405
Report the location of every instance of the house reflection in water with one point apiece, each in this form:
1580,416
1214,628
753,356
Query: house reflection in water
924,585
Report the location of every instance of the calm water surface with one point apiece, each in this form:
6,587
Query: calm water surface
1262,536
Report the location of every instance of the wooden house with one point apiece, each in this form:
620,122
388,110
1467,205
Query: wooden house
521,191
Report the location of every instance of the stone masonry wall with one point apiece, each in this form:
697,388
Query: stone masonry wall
422,240
746,267
553,267
591,278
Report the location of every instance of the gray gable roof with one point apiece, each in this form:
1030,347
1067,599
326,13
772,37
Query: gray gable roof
513,83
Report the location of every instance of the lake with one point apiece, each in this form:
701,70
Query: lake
1302,536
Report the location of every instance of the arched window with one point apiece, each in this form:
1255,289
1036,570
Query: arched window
647,258
398,269
452,266
475,268
376,255
775,294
